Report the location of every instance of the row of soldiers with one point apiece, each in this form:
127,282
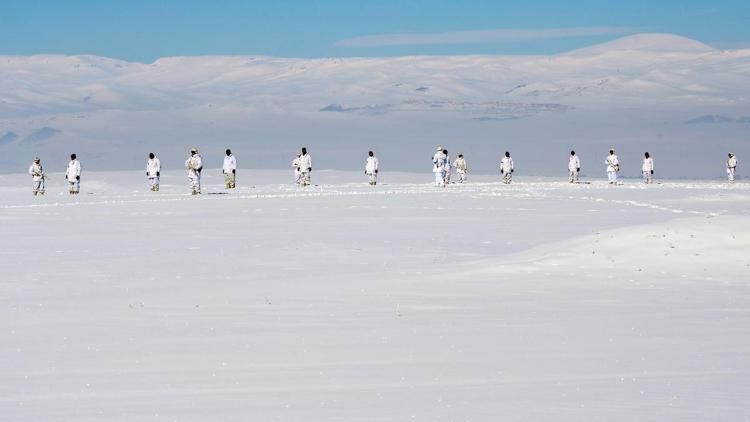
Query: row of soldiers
302,165
194,166
72,175
442,167
612,164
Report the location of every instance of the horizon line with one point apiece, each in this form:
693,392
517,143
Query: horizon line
350,57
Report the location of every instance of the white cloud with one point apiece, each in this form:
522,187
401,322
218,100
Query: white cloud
480,36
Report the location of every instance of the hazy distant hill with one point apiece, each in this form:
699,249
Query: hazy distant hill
634,93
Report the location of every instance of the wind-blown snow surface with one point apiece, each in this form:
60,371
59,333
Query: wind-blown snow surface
535,301
650,92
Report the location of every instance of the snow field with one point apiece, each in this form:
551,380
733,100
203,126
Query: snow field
535,301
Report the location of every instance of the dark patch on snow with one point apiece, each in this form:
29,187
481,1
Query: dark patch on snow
8,138
422,89
86,98
41,135
334,107
515,88
486,109
376,109
718,118
490,119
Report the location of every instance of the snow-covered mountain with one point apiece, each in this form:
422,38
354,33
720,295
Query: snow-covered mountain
637,93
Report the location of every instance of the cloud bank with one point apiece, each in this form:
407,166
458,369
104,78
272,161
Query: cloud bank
480,36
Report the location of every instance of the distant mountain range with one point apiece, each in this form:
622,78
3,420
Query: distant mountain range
637,88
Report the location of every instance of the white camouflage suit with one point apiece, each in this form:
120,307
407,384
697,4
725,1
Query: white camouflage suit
153,173
648,170
194,165
73,175
230,171
731,168
37,178
506,169
297,172
613,166
574,163
438,167
371,170
447,170
461,169
305,168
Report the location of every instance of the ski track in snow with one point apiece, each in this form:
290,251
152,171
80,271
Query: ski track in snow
518,190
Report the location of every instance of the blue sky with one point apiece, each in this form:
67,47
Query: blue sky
139,30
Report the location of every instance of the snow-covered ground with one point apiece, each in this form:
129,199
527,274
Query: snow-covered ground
535,301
